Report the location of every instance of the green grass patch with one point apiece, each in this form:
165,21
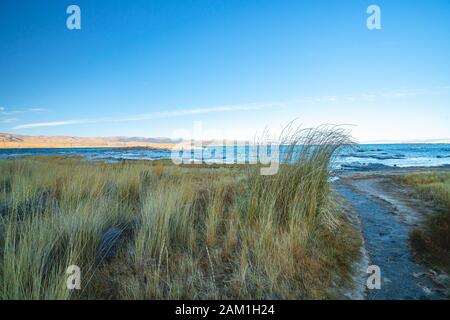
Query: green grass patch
432,240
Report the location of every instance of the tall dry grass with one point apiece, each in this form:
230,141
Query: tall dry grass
151,230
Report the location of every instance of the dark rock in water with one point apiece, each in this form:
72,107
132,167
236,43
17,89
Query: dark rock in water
355,166
109,243
381,156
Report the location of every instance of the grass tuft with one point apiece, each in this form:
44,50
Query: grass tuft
176,232
432,240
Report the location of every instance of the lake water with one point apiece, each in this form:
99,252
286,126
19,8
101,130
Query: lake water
359,157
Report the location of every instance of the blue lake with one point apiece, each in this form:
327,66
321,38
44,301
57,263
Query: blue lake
347,158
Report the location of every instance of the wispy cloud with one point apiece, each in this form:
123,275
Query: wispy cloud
53,124
8,120
365,96
399,93
357,97
13,110
37,110
150,116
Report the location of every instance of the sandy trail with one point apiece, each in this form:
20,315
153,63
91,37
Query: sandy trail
387,215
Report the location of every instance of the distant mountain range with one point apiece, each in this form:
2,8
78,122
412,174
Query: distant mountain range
8,140
24,141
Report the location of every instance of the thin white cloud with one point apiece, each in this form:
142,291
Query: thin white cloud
398,93
12,111
8,120
37,110
363,96
51,124
149,116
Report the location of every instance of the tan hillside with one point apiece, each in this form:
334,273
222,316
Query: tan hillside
24,141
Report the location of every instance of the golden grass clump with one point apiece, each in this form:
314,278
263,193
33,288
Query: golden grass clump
153,230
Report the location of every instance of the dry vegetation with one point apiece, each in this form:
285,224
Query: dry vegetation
432,240
151,230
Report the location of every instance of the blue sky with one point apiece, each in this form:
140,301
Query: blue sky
150,68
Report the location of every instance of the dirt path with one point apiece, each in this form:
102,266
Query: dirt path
387,216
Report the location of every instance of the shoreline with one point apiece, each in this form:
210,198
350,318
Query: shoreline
53,142
336,174
386,171
131,147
